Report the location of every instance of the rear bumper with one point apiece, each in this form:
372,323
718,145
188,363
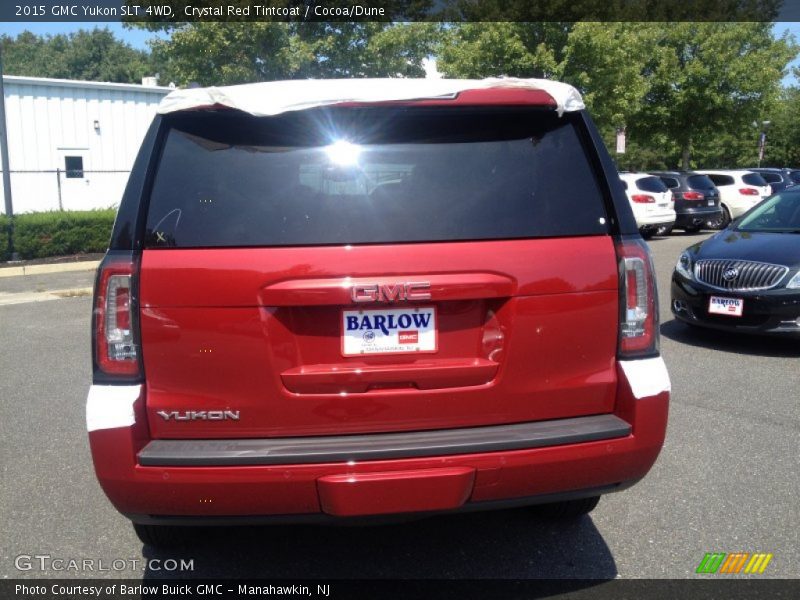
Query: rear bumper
663,218
410,473
695,216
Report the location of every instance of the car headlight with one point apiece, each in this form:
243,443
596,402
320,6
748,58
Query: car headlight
794,282
684,265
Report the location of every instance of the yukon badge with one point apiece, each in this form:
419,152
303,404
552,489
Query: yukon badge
390,292
199,415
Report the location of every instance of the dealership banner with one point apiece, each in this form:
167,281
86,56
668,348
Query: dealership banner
181,11
568,589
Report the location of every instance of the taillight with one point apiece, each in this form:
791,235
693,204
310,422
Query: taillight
115,336
748,191
638,328
693,196
643,199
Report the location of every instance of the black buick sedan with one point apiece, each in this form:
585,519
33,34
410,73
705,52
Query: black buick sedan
747,276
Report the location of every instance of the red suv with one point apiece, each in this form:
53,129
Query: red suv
335,299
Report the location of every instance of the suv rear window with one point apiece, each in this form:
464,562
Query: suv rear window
699,182
721,179
372,175
651,184
754,179
770,177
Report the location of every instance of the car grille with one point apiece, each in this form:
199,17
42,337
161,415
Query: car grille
739,275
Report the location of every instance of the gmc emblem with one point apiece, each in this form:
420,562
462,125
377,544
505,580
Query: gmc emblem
390,292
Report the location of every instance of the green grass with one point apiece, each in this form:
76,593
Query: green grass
38,235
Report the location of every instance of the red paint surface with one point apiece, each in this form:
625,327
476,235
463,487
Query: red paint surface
259,330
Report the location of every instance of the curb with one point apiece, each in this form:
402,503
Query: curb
28,297
89,265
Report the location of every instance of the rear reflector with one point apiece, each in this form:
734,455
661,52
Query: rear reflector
638,334
748,191
643,199
693,196
116,351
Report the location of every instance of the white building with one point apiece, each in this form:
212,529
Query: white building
71,144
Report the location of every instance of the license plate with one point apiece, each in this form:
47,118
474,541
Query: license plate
389,331
725,306
711,202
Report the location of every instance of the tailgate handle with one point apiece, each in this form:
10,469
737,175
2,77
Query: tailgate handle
354,378
338,290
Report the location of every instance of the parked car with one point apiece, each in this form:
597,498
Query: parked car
315,307
793,174
747,277
696,199
650,201
739,192
778,179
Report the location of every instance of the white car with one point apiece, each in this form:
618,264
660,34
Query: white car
739,191
651,201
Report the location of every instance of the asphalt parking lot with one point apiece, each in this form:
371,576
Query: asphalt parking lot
727,479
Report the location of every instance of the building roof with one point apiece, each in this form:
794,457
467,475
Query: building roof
76,83
275,97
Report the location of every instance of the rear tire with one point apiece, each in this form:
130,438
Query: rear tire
693,228
664,230
569,509
164,536
720,222
646,232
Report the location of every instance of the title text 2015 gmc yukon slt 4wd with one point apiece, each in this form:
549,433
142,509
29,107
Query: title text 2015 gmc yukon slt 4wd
336,299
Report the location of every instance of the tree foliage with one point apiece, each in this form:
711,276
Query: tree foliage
94,55
710,78
497,49
686,93
229,53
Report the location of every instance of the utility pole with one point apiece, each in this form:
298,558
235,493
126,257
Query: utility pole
5,167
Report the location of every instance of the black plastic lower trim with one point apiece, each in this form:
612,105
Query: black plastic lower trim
382,446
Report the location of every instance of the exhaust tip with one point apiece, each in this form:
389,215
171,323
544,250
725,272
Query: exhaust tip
678,306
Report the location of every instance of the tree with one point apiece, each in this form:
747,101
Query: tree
783,137
706,79
212,53
94,55
606,62
496,49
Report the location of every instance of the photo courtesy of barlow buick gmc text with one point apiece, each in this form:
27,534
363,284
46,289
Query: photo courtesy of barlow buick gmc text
433,299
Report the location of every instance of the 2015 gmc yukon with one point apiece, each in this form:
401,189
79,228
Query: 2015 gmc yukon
336,299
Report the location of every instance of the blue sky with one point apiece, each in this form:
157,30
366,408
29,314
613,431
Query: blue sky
138,37
135,37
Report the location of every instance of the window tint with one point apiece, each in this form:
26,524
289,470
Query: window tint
651,184
795,176
770,177
670,182
754,179
700,182
624,184
721,179
372,175
73,165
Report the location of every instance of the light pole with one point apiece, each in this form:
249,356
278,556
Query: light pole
6,173
762,140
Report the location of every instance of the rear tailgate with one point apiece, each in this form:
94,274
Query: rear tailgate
447,269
